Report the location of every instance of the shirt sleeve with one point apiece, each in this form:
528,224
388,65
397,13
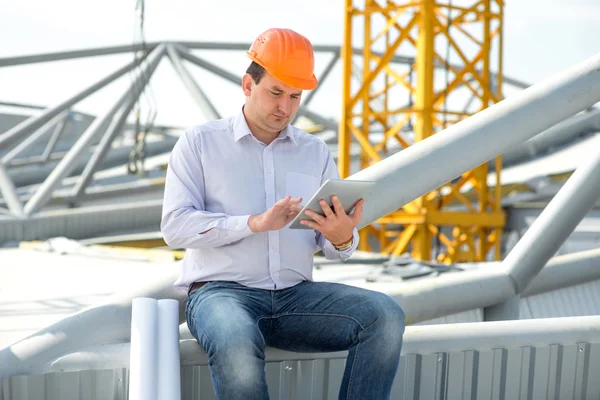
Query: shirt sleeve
185,223
330,171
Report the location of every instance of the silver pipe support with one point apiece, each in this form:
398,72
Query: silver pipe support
100,151
427,339
207,108
9,192
183,52
71,55
566,271
452,293
422,339
109,136
429,164
35,136
65,166
559,134
25,128
558,220
58,130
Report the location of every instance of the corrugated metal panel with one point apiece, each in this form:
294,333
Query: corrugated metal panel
83,385
556,371
580,300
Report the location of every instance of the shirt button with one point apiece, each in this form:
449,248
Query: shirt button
270,196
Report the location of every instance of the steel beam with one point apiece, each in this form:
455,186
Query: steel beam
478,139
103,147
9,192
35,136
58,130
65,166
558,220
207,108
560,134
419,340
25,128
74,54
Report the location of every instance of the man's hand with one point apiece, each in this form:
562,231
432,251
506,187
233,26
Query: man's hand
276,217
336,226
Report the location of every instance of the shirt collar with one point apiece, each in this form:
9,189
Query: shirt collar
241,129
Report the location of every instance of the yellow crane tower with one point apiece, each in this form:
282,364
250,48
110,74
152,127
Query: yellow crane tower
390,103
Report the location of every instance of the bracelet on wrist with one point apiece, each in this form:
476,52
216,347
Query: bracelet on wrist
344,245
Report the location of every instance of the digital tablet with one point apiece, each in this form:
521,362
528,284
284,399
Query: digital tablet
349,192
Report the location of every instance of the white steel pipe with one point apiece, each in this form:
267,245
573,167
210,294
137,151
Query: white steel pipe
206,107
9,192
421,339
554,225
429,164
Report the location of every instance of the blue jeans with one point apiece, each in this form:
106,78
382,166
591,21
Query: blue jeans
233,323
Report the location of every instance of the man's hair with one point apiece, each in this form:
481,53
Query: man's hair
256,72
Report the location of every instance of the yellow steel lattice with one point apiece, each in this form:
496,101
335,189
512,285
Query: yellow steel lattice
389,106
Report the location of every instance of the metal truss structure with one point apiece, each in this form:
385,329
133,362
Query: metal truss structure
49,123
31,184
389,102
497,290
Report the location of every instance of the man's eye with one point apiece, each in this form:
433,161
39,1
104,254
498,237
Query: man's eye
275,94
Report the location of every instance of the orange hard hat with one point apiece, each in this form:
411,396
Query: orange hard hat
287,55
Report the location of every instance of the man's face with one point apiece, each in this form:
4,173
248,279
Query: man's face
272,104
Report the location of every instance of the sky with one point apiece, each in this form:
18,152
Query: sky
541,38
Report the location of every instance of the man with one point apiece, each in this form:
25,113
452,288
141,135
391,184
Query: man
232,187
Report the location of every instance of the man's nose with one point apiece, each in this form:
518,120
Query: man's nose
285,105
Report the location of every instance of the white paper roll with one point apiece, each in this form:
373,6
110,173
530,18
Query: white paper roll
169,381
143,353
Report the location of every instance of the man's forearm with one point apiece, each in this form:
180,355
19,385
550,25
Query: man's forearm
193,229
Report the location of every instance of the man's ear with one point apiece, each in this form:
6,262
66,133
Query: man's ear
247,84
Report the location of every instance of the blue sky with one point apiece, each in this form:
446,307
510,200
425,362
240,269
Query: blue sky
540,39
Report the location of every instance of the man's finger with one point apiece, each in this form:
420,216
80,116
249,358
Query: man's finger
326,209
296,208
310,224
290,216
284,201
319,219
357,213
337,206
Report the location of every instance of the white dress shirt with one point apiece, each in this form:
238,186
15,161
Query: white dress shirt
219,174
